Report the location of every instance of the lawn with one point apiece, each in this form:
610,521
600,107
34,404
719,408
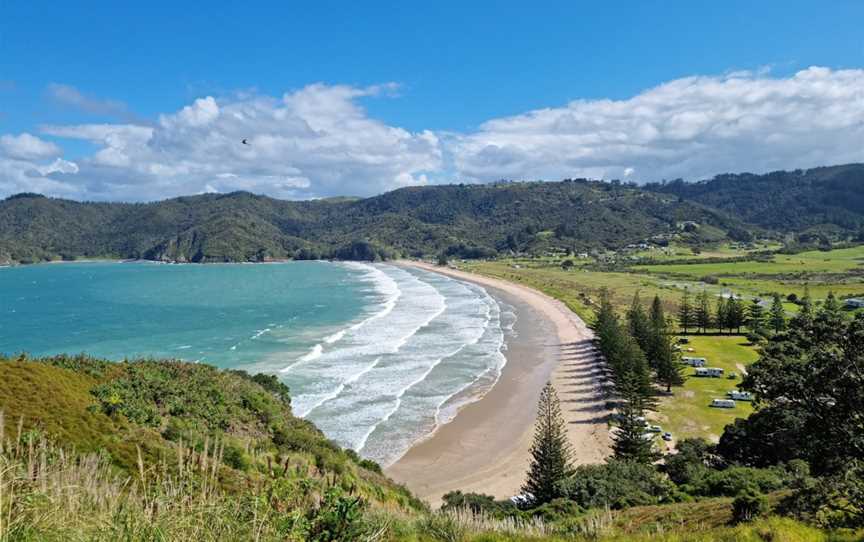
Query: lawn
835,261
687,413
839,271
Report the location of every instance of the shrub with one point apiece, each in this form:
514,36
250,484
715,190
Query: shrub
734,480
748,505
617,484
477,503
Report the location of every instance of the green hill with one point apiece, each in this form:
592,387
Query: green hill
165,450
464,220
822,199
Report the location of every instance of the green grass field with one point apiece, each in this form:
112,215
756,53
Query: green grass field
687,412
838,271
835,261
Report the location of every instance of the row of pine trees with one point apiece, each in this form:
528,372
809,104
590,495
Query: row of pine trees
642,358
640,354
730,315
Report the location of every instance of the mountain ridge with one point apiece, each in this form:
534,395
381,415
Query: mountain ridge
463,220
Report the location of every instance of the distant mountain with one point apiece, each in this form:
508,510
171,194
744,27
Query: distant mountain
462,220
825,198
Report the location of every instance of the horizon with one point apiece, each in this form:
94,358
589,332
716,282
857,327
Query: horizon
357,101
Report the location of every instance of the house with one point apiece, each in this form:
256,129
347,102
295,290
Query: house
712,372
855,303
694,362
723,403
737,395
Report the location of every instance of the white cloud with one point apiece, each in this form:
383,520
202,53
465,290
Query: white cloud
693,128
26,166
59,165
319,141
27,147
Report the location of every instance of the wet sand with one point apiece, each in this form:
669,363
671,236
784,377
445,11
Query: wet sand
485,448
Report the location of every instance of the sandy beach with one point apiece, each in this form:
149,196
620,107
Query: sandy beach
485,448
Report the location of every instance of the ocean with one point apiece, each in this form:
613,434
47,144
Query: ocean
376,355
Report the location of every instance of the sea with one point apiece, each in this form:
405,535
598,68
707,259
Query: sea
376,355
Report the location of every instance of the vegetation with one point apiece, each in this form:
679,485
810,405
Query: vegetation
462,221
822,203
550,452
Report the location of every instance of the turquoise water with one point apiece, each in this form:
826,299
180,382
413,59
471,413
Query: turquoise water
376,355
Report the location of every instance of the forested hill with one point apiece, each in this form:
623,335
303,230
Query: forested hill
825,198
463,220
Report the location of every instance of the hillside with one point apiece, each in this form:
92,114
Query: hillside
463,220
829,199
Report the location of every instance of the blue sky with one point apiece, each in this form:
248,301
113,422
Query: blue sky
447,69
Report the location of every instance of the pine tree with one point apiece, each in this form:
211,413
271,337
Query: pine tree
777,314
638,323
703,312
662,355
550,452
756,316
734,314
632,377
685,312
722,317
831,306
628,439
658,329
805,313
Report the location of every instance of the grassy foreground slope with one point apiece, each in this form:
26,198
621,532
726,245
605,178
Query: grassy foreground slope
165,450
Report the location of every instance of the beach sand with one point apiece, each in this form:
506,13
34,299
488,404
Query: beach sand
485,448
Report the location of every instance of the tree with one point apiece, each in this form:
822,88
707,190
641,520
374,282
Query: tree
629,440
777,314
805,314
748,505
734,314
685,312
550,452
638,323
807,384
663,356
722,317
756,316
703,311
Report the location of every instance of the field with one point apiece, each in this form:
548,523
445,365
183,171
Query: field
839,271
687,413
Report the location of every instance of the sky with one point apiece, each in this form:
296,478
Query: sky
140,101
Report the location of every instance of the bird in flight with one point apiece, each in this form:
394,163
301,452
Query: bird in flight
245,142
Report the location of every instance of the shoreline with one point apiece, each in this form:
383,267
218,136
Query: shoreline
485,447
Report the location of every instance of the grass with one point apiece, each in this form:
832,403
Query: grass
59,479
834,261
839,271
687,412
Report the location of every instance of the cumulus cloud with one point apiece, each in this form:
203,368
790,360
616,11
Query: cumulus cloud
320,141
27,147
31,164
692,128
317,141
